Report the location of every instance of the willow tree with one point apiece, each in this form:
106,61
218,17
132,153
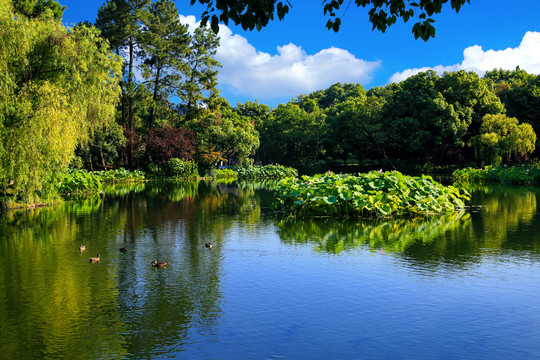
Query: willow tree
501,136
56,86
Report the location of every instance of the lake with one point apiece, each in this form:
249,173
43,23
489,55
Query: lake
465,286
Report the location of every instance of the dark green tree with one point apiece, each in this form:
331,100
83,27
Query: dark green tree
226,133
520,94
292,136
432,117
471,97
343,128
335,94
164,48
101,151
120,23
199,90
420,120
258,115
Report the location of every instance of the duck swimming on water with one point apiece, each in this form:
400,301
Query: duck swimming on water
159,264
95,259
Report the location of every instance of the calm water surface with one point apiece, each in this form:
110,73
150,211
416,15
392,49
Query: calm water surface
465,286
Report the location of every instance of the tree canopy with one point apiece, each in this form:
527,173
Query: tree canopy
35,8
58,85
503,136
382,13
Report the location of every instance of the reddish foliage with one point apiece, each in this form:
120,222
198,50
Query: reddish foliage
167,143
133,144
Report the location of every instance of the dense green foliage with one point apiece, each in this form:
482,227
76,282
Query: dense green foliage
265,172
257,172
426,118
75,182
182,168
120,175
382,13
500,137
175,65
520,94
58,86
37,8
517,175
373,194
226,174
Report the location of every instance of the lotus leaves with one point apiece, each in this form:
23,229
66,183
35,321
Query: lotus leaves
373,194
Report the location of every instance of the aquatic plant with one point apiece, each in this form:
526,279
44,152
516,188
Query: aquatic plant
119,175
75,181
257,172
522,174
267,171
226,174
374,194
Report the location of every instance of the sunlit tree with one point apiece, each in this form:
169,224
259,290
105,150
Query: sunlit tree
58,85
501,136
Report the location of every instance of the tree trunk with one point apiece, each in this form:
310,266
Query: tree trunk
130,102
155,97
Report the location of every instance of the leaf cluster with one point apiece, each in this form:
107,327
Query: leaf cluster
373,194
516,175
179,168
72,182
248,14
384,13
119,175
273,171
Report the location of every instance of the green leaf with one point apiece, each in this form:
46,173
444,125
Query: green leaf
214,25
337,24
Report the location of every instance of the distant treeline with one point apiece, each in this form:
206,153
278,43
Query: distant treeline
454,118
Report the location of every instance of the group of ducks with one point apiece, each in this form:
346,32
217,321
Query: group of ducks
155,263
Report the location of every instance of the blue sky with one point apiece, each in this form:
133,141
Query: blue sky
299,55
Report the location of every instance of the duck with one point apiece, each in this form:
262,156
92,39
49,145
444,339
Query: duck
95,259
209,245
159,264
123,249
82,248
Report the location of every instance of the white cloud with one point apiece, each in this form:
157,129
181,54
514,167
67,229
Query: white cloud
288,73
526,56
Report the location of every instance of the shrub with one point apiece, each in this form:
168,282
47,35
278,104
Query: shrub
168,143
182,168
